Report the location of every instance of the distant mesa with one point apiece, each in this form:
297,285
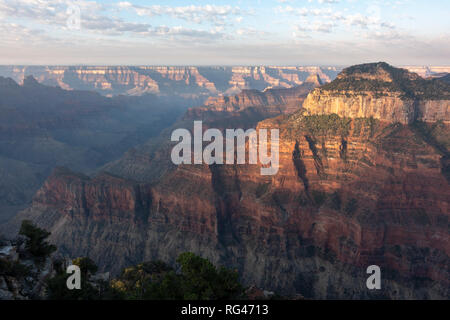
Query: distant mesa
30,81
315,79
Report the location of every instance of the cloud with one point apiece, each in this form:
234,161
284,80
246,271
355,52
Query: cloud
197,14
164,31
13,33
48,12
325,1
95,18
303,11
325,20
316,26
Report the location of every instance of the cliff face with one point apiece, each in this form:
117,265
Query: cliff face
104,198
348,195
382,92
389,107
22,276
193,82
434,110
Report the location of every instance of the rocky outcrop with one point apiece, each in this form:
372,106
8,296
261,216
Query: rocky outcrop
21,276
382,92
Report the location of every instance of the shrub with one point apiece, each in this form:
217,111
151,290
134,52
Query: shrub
13,269
57,289
100,290
201,280
36,237
330,124
87,266
198,279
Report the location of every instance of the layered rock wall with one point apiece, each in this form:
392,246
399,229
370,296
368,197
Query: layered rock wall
387,106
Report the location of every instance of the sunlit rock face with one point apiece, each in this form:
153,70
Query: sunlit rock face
382,92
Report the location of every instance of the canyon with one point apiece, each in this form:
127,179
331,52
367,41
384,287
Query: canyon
42,127
188,82
364,173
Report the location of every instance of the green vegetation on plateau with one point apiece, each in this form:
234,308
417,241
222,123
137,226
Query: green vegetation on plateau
333,125
322,125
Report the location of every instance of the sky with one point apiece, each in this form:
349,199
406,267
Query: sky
252,32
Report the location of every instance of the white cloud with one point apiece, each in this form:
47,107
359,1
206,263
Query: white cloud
325,20
325,1
95,18
192,13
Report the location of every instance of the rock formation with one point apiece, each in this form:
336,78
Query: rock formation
251,106
21,276
382,92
